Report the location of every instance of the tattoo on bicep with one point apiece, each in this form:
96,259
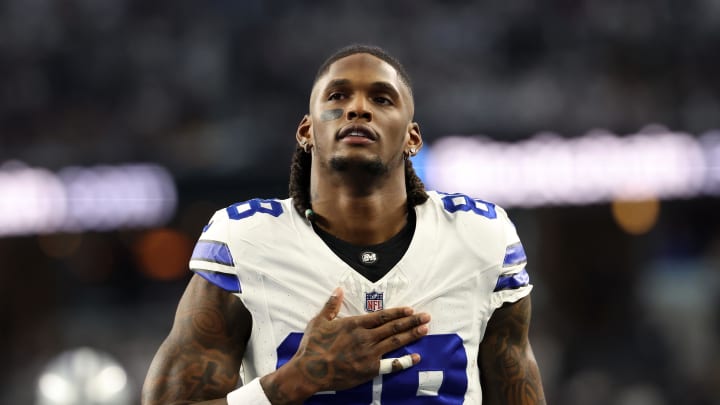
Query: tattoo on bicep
510,367
202,356
206,323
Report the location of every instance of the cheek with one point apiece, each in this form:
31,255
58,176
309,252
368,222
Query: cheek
397,121
320,133
401,129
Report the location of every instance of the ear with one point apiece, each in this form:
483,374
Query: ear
304,131
414,142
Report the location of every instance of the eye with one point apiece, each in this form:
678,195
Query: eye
382,100
336,96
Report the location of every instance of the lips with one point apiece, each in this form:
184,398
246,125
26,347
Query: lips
356,130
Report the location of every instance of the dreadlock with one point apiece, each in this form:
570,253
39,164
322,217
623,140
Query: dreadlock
301,161
300,180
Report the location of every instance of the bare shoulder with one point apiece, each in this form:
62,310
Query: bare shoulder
200,358
508,369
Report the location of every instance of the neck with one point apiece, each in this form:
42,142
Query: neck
362,214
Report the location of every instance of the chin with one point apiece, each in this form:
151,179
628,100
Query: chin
367,165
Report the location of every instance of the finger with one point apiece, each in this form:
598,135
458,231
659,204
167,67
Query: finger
333,304
395,364
400,325
398,340
379,318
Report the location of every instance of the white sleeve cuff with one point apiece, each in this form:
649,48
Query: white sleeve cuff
249,394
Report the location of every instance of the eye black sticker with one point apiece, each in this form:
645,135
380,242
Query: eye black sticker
329,115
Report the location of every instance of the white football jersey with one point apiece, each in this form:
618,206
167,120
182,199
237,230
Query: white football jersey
464,261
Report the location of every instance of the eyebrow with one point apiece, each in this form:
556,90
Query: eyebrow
387,87
384,86
338,83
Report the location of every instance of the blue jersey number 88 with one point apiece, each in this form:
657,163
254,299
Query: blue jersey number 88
439,378
461,202
254,206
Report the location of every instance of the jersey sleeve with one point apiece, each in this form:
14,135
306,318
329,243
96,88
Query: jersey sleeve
212,257
513,280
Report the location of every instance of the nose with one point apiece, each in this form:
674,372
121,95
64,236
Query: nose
358,109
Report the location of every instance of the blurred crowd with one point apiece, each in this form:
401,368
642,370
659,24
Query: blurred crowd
217,83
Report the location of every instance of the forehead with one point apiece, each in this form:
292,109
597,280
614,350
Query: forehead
361,68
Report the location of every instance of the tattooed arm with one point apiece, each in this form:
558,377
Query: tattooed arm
508,371
200,358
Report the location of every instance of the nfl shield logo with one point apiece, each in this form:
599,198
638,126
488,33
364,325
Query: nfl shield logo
373,301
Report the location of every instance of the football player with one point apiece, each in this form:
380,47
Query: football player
359,228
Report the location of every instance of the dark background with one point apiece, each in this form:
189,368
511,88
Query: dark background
213,91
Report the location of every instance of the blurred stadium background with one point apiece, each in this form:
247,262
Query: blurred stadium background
124,124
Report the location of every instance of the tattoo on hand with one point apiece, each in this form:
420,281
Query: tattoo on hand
324,368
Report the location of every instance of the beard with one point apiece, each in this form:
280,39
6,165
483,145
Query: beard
371,167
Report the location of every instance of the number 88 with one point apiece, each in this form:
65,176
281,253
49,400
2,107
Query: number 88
440,378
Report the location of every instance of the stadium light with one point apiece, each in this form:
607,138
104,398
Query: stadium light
37,201
597,167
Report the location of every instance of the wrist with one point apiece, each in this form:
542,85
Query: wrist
250,393
287,386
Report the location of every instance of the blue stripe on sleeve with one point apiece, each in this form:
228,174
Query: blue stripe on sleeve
514,254
512,281
228,282
212,251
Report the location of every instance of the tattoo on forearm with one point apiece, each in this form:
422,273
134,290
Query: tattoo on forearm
206,380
